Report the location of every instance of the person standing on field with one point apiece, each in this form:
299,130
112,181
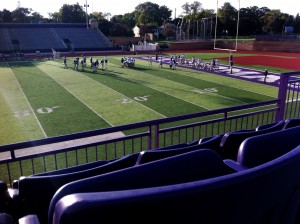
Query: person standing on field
65,62
265,74
231,62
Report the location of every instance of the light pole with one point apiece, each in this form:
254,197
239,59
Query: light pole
86,15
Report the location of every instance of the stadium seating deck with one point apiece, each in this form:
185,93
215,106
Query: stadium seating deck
44,37
192,178
263,194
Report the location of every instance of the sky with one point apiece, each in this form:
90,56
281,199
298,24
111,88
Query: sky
117,7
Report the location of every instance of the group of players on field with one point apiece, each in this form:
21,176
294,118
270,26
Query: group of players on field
182,60
130,62
93,63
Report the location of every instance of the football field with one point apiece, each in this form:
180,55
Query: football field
40,99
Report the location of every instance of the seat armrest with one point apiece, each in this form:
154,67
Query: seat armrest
234,165
14,193
29,219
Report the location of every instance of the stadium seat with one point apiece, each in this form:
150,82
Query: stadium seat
35,193
152,155
67,170
262,195
5,198
175,146
266,126
257,150
291,122
74,168
231,141
29,219
6,218
186,167
179,145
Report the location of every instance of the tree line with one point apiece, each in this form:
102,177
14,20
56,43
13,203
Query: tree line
252,20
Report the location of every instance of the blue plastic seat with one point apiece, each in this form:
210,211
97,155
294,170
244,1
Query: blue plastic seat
186,167
291,122
152,155
35,192
264,194
231,141
257,150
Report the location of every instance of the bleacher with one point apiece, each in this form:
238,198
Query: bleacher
193,182
82,38
35,39
5,43
29,38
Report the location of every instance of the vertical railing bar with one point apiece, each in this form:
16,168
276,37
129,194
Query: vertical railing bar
21,168
9,174
96,153
124,148
132,143
106,151
44,164
76,154
66,158
32,165
86,155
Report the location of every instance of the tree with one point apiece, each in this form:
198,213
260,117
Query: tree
119,30
105,26
296,24
55,17
227,20
72,13
250,20
127,19
274,21
6,16
36,17
149,13
165,15
21,15
186,8
195,7
100,15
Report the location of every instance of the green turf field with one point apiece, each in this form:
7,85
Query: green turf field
42,99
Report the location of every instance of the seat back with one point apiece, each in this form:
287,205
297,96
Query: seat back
291,122
262,195
231,141
6,218
74,168
186,167
35,193
152,155
260,149
266,126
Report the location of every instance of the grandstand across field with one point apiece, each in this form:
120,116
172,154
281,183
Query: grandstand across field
29,38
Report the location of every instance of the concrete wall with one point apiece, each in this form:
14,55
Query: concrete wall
280,46
125,41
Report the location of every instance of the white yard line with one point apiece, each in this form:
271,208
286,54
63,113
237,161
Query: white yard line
40,125
128,97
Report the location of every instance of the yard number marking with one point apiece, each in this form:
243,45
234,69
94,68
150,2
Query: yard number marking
206,90
137,98
46,110
23,113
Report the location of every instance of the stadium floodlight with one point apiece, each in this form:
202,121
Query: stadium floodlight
86,15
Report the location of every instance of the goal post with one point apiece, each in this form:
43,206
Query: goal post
235,46
55,54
